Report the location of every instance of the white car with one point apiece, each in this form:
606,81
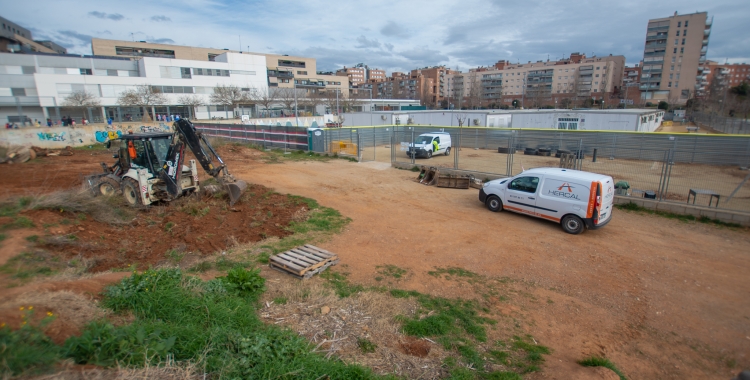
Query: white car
576,199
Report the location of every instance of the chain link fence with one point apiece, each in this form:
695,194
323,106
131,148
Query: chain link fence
729,125
267,136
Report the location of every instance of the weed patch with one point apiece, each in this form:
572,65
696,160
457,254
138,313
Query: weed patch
391,271
366,346
340,284
596,361
27,351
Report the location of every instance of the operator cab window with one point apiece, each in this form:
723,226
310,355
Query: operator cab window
525,184
140,154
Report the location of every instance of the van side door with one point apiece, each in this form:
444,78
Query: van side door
559,196
521,194
439,145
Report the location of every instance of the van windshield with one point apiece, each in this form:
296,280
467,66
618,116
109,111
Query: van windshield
423,140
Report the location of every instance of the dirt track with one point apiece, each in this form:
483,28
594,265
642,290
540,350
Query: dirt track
661,298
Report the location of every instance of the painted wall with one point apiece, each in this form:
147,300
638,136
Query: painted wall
60,137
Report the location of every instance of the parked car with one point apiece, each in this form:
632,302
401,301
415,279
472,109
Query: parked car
429,144
576,199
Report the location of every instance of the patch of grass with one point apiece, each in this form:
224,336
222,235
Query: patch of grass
17,223
30,264
340,283
391,271
31,239
168,227
175,255
630,206
280,300
596,361
533,354
27,350
201,267
322,219
208,322
415,169
366,346
453,271
3,237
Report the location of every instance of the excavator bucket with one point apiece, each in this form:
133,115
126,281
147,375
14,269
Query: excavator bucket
235,190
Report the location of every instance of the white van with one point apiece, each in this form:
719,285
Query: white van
425,144
575,199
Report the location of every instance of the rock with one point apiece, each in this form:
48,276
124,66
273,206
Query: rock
81,229
325,310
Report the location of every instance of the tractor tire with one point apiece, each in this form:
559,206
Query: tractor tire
530,152
108,187
131,192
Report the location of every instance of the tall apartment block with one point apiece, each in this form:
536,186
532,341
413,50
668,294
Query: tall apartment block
360,74
674,56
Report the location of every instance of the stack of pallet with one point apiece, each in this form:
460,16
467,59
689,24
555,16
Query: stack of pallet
304,261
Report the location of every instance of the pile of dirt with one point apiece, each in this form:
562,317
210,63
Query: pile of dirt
194,226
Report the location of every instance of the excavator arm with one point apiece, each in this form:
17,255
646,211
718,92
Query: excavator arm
186,135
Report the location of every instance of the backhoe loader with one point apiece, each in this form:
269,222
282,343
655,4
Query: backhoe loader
150,168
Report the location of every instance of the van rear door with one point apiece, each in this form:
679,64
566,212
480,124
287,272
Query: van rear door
607,200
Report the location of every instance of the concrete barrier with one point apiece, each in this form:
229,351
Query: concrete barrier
728,216
60,137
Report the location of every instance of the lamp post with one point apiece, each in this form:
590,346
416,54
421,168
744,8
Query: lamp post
296,113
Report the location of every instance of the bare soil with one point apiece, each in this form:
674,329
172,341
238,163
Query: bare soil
662,299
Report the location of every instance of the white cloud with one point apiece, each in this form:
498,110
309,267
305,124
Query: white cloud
389,34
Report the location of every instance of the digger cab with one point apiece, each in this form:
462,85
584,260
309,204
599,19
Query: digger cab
143,150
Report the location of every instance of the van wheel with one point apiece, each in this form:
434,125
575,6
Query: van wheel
448,151
572,224
494,203
429,154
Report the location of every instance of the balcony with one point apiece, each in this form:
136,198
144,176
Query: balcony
632,73
652,71
280,74
658,28
702,59
656,46
586,72
659,53
706,32
660,36
645,87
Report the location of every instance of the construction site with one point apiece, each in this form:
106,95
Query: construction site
342,248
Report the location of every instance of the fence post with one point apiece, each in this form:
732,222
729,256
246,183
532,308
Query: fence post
413,151
580,154
359,148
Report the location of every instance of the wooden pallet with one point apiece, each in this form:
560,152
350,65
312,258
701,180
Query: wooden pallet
304,261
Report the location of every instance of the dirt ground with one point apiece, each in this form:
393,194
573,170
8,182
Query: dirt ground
662,299
640,174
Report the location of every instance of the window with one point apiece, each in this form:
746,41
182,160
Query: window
686,24
28,69
111,73
677,84
678,76
185,71
676,41
683,41
675,51
671,68
678,33
301,72
86,72
679,23
684,32
18,92
673,59
524,184
682,50
670,76
597,75
669,84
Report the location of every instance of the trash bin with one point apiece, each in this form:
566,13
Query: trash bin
621,188
649,194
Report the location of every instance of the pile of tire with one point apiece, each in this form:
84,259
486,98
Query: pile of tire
501,149
544,152
530,151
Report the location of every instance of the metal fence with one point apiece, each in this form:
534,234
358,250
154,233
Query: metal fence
671,166
267,136
731,125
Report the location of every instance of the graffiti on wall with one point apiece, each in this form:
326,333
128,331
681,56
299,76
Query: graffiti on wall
51,136
104,136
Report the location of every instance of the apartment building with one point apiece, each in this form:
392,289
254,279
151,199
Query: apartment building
537,84
673,57
721,77
284,71
361,73
35,86
15,38
430,85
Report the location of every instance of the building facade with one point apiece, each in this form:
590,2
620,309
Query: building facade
361,73
284,71
15,38
538,84
34,86
673,57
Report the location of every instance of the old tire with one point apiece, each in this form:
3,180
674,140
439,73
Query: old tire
131,193
572,224
429,154
108,187
530,152
448,151
494,203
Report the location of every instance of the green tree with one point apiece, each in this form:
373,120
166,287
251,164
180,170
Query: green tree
663,105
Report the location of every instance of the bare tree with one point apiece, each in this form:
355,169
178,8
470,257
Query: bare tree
191,101
474,95
313,100
229,96
265,98
142,96
81,98
287,97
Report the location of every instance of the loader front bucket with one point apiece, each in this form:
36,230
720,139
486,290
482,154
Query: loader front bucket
235,190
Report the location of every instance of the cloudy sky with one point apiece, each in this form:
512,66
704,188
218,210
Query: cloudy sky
392,35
